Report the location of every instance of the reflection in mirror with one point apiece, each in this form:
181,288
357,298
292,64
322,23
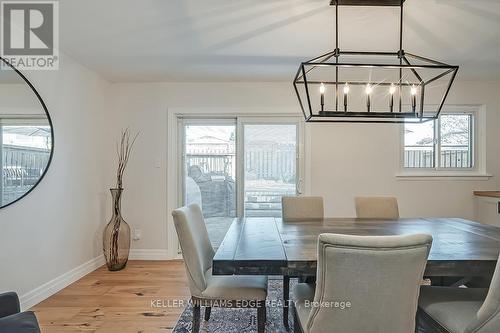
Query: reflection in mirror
25,137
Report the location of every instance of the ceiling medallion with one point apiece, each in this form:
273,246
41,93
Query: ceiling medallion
372,87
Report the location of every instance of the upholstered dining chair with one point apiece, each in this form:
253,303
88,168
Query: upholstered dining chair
377,208
364,284
298,209
209,290
460,310
302,208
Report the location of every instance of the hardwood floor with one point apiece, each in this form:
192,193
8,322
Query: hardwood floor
121,301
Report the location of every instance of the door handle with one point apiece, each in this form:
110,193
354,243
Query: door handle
298,187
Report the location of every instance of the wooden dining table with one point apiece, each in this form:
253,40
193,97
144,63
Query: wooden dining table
269,246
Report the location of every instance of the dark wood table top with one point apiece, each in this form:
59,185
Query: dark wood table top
269,246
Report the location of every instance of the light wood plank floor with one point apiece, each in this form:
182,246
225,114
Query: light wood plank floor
111,302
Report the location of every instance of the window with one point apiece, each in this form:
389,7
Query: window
444,144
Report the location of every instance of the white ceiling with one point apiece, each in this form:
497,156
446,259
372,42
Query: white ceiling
265,40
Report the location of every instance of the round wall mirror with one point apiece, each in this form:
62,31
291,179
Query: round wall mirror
26,136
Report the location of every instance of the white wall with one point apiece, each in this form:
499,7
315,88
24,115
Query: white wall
18,98
57,226
346,160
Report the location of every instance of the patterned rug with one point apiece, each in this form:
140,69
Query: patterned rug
240,320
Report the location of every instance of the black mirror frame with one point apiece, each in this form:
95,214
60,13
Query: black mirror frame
42,103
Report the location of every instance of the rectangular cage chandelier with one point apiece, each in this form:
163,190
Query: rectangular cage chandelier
372,87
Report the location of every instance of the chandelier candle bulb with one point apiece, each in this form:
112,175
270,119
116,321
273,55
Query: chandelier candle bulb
368,91
322,90
392,90
413,98
346,92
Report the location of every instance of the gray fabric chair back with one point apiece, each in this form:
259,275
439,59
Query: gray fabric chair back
379,276
302,208
377,208
195,245
487,319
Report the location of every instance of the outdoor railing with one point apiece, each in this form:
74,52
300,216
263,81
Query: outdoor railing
215,164
259,163
21,169
451,157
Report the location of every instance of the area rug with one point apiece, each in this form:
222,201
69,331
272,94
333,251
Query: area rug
240,320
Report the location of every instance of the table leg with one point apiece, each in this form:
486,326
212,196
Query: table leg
286,299
196,318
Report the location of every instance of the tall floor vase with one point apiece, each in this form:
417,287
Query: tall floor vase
116,238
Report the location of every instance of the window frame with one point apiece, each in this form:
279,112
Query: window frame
477,146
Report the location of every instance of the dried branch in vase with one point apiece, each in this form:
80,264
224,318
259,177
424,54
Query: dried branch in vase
124,149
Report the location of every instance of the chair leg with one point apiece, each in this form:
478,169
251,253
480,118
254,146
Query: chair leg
208,310
261,317
286,299
196,318
296,324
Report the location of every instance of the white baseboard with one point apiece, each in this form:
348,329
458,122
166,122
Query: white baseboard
48,289
149,254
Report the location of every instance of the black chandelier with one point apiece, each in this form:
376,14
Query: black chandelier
372,87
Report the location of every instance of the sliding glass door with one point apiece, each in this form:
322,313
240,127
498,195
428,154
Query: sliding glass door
239,167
